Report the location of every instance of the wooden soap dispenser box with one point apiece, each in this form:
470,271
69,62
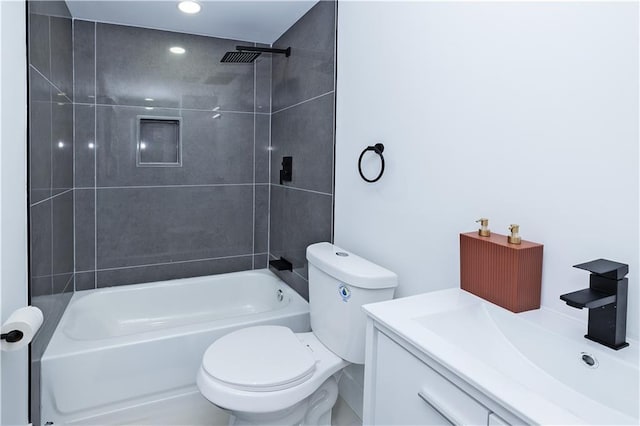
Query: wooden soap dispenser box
504,270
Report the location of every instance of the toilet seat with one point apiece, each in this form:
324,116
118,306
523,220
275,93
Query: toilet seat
259,359
231,397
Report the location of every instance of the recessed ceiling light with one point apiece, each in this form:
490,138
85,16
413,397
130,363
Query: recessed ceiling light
190,7
148,99
177,50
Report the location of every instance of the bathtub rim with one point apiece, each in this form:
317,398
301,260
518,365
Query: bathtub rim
62,345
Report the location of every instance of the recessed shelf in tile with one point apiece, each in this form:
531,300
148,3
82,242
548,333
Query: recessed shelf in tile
159,142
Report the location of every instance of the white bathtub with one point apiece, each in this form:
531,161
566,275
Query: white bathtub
122,349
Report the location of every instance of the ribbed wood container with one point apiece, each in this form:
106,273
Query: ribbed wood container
506,274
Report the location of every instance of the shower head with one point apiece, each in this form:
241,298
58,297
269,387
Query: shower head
248,54
240,57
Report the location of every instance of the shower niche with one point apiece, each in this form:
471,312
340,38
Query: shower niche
159,141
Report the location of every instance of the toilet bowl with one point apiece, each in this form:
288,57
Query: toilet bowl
269,370
268,375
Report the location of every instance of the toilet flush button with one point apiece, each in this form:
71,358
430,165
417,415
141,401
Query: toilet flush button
342,254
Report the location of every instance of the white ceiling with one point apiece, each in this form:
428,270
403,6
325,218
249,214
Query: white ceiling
262,21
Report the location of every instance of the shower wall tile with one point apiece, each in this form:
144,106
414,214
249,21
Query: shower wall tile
49,8
155,223
214,150
85,229
263,141
50,148
302,126
170,271
39,137
142,226
260,261
263,82
84,61
39,41
62,283
62,146
62,233
85,280
41,286
40,236
261,221
84,145
305,132
298,219
310,70
61,36
135,63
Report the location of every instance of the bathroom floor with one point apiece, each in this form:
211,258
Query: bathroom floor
193,409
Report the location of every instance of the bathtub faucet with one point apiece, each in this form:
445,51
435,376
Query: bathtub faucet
606,299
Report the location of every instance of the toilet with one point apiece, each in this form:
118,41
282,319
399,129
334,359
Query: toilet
268,375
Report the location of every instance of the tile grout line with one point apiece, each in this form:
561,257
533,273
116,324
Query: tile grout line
51,147
174,108
67,284
303,102
53,275
253,224
73,91
51,197
95,156
334,115
171,263
169,186
302,189
269,160
50,82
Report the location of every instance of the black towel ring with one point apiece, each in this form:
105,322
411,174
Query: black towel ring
377,148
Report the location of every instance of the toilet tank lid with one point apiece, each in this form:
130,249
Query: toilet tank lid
350,268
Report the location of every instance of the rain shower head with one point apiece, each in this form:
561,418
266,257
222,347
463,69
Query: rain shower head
248,54
240,57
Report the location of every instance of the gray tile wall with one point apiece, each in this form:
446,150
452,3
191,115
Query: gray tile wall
302,126
51,196
140,224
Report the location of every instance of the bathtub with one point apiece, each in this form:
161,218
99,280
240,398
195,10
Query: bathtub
136,349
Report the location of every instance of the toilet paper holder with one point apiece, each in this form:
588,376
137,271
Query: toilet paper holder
13,336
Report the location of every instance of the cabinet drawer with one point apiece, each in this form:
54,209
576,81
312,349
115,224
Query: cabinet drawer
407,391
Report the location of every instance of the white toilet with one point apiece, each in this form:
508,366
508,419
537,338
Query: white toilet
268,375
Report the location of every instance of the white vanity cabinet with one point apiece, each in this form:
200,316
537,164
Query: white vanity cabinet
450,357
404,387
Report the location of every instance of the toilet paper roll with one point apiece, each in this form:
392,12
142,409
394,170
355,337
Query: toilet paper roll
27,320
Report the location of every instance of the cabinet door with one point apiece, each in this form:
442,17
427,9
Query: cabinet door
407,391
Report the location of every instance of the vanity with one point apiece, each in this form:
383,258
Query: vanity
449,357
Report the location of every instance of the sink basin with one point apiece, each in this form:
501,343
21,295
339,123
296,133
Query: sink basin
537,364
565,370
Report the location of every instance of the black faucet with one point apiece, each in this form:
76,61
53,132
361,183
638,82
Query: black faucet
606,299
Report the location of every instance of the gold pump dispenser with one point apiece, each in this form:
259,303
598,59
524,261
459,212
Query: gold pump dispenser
514,238
484,227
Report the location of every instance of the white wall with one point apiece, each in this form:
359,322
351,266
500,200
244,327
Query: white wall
520,112
13,201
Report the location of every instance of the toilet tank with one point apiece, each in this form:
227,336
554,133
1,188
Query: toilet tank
341,282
